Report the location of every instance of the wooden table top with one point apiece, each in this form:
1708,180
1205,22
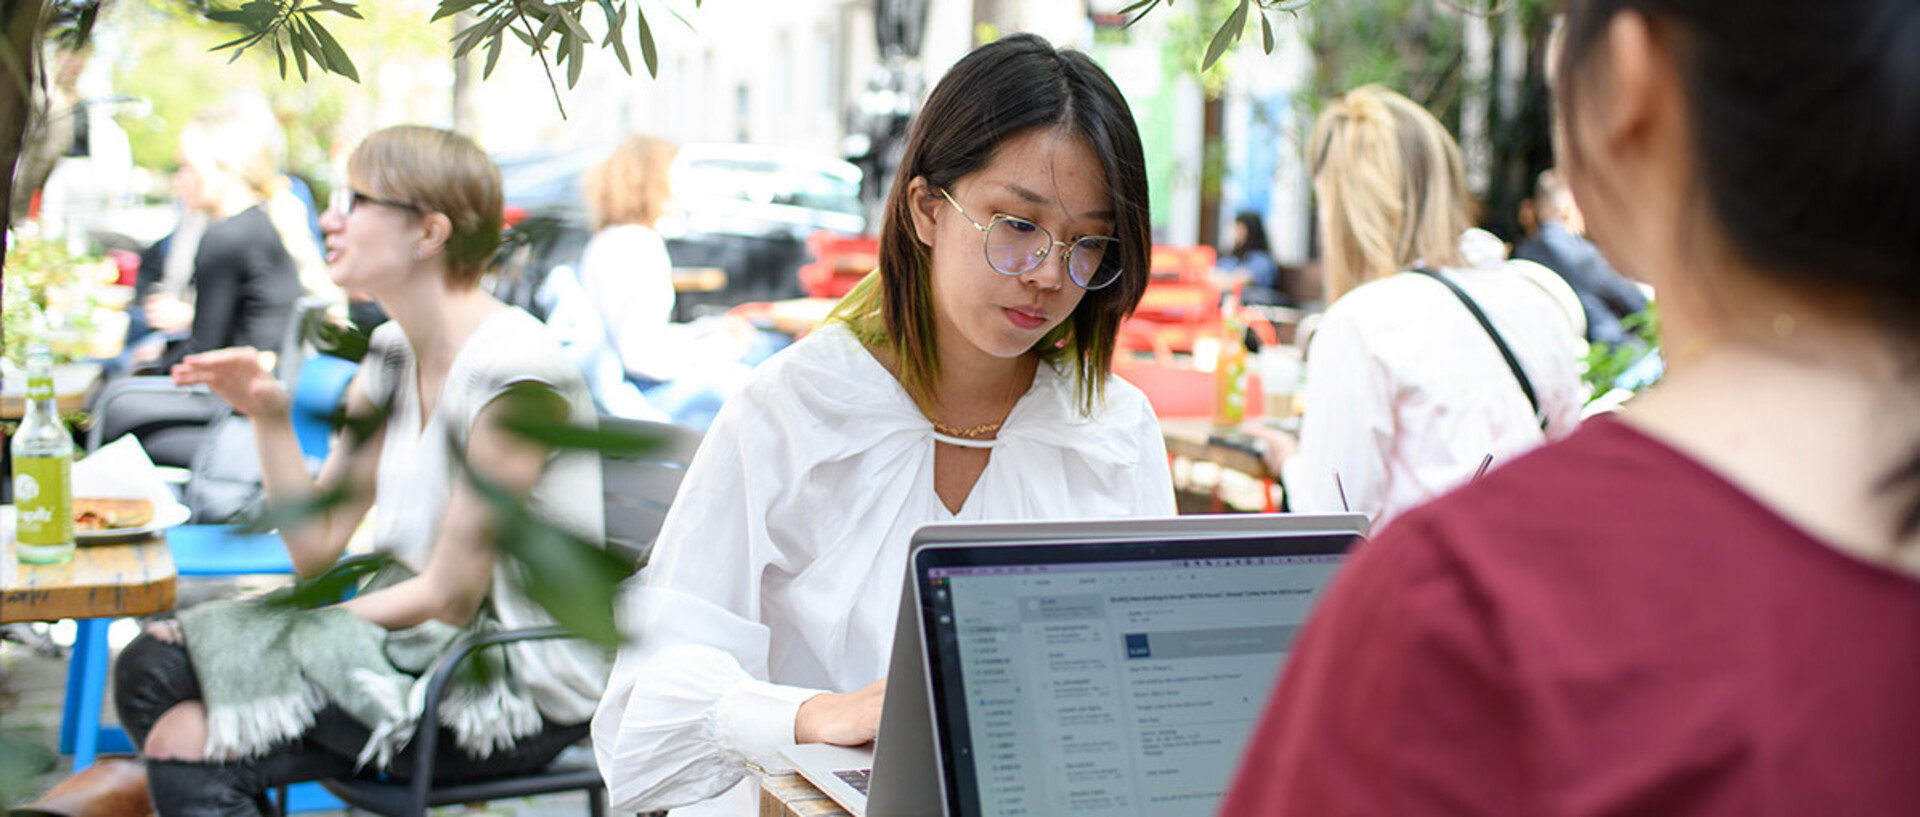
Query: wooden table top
800,315
131,578
699,279
73,385
790,795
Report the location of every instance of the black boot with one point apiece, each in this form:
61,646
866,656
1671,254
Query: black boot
185,789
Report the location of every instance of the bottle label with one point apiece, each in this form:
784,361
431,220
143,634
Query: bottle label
39,388
1230,373
42,489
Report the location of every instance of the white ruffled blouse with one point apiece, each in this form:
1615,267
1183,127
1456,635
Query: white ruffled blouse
778,571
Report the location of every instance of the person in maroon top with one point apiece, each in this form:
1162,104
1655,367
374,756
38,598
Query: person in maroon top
1709,605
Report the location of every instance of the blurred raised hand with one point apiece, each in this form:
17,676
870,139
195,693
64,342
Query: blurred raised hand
241,375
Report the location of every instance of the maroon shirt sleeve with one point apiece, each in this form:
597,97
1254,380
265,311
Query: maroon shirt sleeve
1391,708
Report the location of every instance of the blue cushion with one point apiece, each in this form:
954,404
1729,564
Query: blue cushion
221,550
316,394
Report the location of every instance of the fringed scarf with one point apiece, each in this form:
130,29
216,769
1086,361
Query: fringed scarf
267,668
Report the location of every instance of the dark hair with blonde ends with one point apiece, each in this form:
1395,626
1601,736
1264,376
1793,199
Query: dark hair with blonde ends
995,93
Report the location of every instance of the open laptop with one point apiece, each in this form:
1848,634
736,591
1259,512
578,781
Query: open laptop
1111,667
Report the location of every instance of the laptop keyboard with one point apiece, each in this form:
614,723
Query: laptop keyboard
857,778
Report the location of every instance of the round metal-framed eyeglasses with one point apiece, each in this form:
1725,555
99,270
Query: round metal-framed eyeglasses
1016,246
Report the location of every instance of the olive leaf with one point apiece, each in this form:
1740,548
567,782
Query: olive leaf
551,31
330,587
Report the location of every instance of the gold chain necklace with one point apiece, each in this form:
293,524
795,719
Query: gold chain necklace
976,432
979,432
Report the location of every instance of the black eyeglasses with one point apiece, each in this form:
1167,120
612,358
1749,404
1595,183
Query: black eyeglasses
346,198
1016,246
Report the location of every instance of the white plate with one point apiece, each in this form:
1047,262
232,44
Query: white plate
164,516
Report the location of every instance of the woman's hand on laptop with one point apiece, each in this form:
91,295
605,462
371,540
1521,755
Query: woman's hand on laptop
841,718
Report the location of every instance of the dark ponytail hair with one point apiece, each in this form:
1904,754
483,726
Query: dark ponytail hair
995,93
1806,127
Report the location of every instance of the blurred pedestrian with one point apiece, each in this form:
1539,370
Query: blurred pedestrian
615,314
618,318
1561,246
1250,260
242,254
1708,604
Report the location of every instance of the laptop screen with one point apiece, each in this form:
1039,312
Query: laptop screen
1112,678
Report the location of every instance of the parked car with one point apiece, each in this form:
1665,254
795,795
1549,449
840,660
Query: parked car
747,209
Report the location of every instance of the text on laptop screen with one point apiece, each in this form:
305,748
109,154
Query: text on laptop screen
1094,681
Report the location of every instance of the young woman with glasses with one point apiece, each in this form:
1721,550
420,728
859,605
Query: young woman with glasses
967,378
220,703
1710,603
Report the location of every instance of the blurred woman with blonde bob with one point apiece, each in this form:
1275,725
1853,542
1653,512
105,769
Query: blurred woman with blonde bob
1410,386
624,270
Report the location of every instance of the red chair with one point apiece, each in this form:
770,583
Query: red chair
839,263
1182,302
126,267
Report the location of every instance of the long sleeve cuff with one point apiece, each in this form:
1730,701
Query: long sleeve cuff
756,719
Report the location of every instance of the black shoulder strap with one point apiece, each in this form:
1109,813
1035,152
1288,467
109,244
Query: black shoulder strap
1513,364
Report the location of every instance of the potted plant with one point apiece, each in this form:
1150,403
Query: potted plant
49,294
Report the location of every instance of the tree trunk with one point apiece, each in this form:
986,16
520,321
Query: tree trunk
466,79
1213,167
18,67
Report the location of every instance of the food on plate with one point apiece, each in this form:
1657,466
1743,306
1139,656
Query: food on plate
100,513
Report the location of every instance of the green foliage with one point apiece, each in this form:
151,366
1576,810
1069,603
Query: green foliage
331,586
344,341
1226,31
171,67
1605,364
531,414
296,513
551,31
573,579
1406,45
69,25
48,296
289,26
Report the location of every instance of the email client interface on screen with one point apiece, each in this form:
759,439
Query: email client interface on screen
1122,685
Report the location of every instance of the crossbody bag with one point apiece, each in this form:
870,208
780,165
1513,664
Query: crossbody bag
1513,363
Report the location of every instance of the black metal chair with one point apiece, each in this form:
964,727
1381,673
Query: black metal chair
406,798
170,421
637,488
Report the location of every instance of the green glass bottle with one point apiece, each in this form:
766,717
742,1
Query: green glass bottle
42,470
